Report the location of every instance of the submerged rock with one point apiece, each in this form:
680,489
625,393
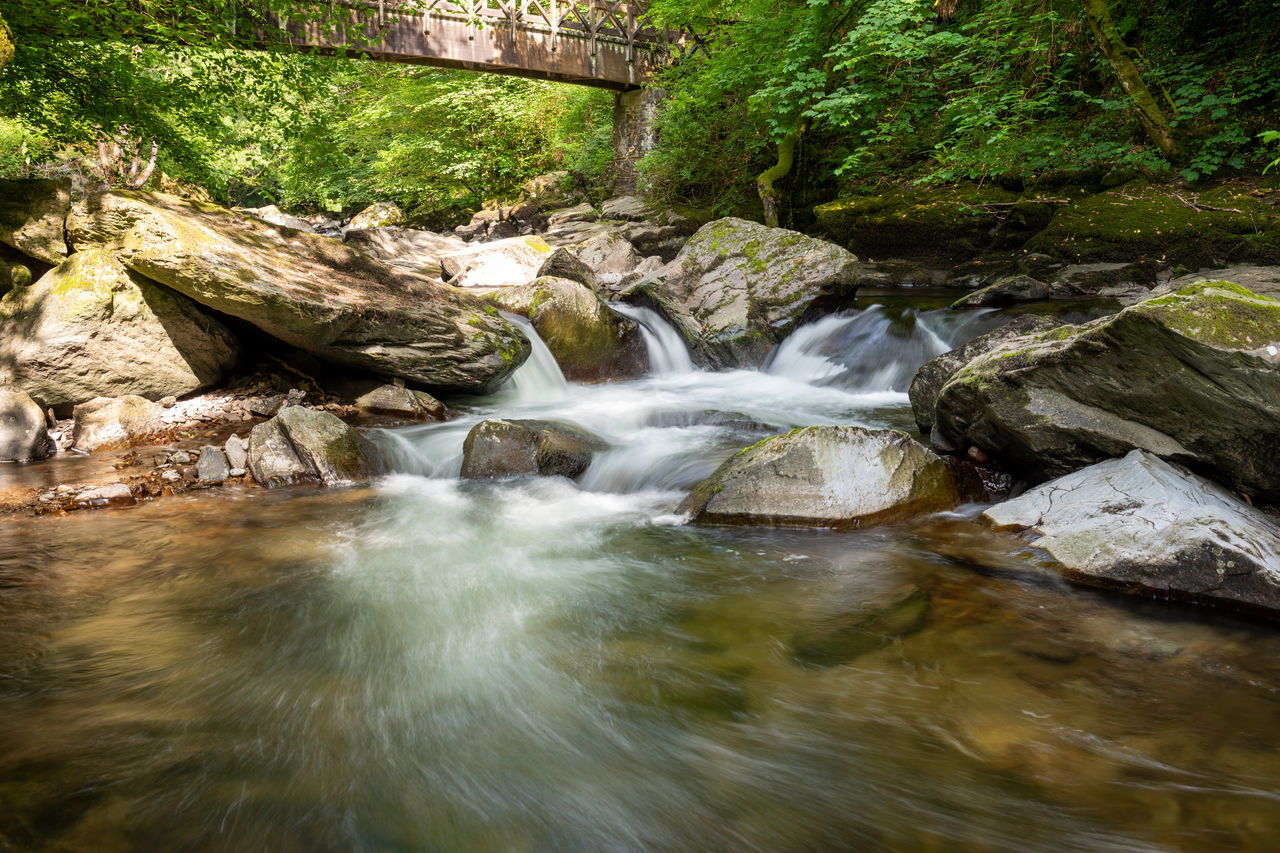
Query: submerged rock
315,293
1192,376
828,476
402,402
23,433
1145,526
90,327
32,214
115,494
115,422
300,444
519,448
745,286
589,341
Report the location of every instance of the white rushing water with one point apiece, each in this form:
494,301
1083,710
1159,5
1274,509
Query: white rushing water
667,352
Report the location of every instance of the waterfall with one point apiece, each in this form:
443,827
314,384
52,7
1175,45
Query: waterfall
667,352
539,379
867,351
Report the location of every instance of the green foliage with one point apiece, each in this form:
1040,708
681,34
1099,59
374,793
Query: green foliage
1270,137
1014,89
22,150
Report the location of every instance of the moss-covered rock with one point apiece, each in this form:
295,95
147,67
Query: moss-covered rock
301,444
1223,225
590,342
32,214
524,448
827,476
1192,376
379,215
92,328
315,293
738,288
938,223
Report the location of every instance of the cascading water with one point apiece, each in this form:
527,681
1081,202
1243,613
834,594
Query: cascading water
540,377
867,351
667,352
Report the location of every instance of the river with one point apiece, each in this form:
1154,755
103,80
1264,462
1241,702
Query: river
540,665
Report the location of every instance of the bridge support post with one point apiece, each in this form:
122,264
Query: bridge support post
633,134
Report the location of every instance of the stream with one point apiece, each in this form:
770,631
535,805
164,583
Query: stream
431,664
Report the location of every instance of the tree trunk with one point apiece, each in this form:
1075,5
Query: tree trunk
6,44
1115,50
764,183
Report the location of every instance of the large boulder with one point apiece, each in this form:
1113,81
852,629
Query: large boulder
32,215
746,286
502,263
827,476
521,448
405,248
1144,526
378,215
1262,280
110,422
608,253
300,444
1192,376
589,341
309,291
23,433
90,327
562,263
934,374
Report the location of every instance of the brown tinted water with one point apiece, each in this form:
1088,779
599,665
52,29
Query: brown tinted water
427,664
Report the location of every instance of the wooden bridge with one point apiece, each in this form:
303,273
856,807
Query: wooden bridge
612,45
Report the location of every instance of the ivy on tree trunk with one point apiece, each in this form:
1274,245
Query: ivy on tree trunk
6,44
778,171
1117,52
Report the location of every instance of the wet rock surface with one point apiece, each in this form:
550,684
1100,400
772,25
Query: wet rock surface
520,448
301,444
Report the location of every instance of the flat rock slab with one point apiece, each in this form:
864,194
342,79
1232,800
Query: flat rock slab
1145,526
827,476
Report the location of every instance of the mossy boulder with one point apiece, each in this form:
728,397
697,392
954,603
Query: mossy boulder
303,445
826,476
309,291
1227,224
525,448
744,287
90,327
378,215
14,274
934,374
590,342
1192,376
935,223
32,214
1147,527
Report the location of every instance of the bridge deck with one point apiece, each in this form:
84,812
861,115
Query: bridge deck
600,43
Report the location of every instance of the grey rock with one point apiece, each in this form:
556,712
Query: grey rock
742,287
237,451
90,327
406,249
651,238
608,253
1145,526
512,448
1262,280
301,444
828,476
1192,376
116,494
276,216
503,263
1010,290
315,293
580,213
23,434
934,374
32,215
115,422
562,263
402,402
212,465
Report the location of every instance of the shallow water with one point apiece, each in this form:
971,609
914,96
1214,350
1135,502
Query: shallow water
535,665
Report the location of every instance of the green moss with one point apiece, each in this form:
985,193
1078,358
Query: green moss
1219,313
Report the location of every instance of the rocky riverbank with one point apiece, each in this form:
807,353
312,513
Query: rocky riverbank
210,348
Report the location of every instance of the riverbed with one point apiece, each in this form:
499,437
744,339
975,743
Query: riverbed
536,664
